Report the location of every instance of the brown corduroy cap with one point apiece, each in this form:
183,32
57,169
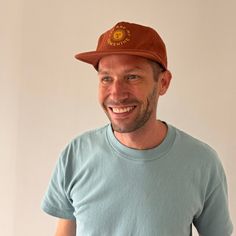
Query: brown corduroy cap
129,39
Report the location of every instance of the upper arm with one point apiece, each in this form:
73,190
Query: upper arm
57,200
66,227
214,218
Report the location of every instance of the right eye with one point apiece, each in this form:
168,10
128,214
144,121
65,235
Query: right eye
106,79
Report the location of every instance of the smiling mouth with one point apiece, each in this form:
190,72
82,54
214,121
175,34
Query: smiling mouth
120,110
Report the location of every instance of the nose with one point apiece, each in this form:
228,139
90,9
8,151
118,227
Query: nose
118,90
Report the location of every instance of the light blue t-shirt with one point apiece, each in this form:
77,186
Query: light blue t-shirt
113,190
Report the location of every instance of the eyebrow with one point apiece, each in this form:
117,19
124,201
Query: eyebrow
103,72
136,68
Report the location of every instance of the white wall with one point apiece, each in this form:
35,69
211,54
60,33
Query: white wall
10,66
47,97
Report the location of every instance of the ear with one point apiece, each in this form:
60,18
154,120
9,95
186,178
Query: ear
164,82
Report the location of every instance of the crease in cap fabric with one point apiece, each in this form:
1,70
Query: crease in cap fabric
129,39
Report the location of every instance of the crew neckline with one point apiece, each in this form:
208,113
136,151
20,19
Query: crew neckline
142,155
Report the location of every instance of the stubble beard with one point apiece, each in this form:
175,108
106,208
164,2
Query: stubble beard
140,120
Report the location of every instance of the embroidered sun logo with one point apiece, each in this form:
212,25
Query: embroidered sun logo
119,36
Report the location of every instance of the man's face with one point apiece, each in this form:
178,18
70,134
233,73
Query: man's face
128,92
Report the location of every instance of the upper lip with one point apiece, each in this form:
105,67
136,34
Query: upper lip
122,108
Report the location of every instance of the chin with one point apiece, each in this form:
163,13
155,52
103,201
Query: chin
124,129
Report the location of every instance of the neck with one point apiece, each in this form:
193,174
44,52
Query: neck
146,137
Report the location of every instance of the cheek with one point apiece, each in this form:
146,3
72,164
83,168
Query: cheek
100,97
144,93
101,94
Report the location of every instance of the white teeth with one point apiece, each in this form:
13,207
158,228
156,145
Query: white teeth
122,110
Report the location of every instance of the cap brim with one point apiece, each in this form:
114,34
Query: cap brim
94,57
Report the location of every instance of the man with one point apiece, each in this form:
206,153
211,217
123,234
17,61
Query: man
138,175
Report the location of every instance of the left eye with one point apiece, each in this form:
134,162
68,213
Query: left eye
132,77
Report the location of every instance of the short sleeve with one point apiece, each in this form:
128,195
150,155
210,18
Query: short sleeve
56,201
214,219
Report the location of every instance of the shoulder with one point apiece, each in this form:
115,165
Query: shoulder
199,155
83,144
89,136
194,145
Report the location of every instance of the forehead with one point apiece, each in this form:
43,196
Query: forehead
123,62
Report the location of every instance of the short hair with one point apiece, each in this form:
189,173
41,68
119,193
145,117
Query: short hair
157,68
